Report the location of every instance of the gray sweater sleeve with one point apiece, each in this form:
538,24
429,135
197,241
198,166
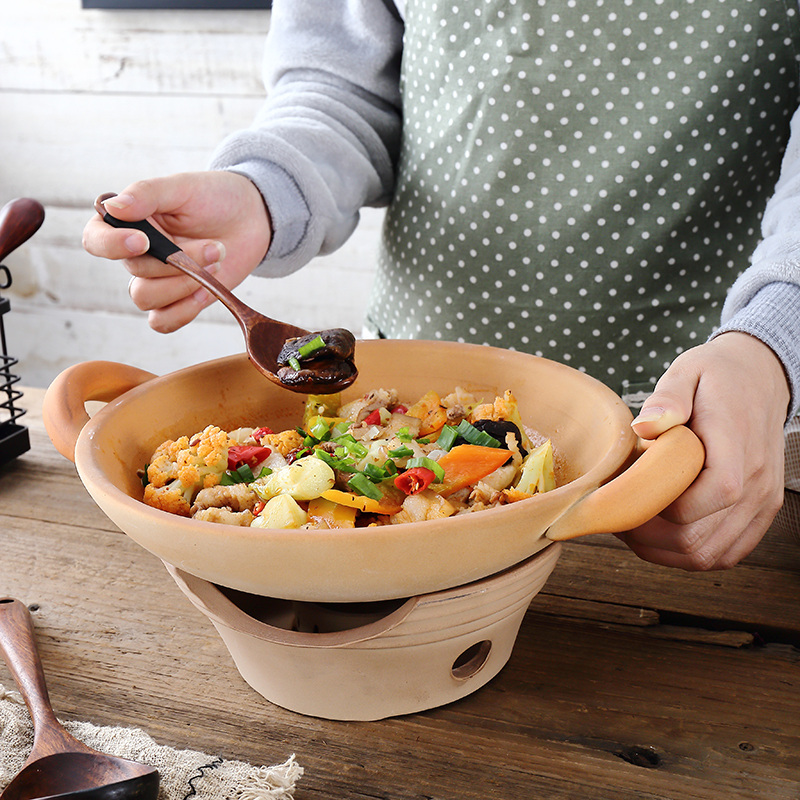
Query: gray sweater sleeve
765,300
325,142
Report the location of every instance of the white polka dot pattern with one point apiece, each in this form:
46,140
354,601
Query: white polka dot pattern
583,180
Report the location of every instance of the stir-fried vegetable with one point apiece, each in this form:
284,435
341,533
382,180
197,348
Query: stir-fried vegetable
371,461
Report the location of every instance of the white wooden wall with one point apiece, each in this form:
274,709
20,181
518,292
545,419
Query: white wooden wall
91,100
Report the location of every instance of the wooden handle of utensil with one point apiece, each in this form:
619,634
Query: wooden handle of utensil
666,468
19,220
64,406
19,651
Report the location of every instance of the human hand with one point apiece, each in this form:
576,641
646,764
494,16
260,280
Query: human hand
218,218
733,393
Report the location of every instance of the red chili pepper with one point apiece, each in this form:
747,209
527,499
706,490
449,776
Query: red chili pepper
374,418
260,433
399,409
249,454
414,480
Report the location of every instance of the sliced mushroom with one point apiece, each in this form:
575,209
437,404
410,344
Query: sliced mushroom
338,343
318,373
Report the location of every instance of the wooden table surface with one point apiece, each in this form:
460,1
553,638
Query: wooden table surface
627,680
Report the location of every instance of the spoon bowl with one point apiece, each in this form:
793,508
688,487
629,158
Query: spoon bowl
59,764
264,337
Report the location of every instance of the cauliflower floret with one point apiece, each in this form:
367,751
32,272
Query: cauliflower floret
184,467
284,442
503,408
170,498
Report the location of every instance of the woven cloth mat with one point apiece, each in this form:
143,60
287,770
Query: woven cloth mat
184,773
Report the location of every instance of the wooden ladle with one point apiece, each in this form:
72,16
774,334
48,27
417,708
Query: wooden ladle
60,764
264,337
19,220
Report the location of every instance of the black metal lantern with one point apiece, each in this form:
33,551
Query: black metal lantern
19,220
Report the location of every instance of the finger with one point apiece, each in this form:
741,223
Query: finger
715,544
152,294
202,253
147,198
180,313
103,241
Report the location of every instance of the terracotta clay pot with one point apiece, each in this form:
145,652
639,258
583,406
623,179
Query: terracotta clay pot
588,424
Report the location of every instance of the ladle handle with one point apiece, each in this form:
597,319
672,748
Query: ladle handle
667,467
64,407
18,647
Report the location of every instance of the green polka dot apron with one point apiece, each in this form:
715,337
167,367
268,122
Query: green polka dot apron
582,180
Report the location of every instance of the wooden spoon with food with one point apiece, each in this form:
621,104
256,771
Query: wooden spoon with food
294,358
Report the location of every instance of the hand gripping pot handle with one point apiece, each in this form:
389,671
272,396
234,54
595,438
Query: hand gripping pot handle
64,407
665,469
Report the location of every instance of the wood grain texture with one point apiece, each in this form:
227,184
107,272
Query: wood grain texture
601,699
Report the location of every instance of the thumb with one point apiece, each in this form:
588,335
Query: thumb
669,405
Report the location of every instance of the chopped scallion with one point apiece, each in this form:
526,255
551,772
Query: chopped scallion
361,484
428,463
447,437
375,473
307,349
400,452
471,434
294,364
404,435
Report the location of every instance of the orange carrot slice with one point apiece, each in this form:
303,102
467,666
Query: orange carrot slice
466,464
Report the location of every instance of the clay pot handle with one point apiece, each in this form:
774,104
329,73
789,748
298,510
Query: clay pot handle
661,474
64,406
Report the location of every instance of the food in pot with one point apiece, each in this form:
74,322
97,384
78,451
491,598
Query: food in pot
372,461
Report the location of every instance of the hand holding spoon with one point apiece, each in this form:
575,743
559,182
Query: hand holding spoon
294,358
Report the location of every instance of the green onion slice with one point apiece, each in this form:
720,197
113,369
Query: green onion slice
447,437
428,463
400,452
361,484
309,348
471,434
294,364
404,435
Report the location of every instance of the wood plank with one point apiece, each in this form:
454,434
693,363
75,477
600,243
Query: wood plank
51,133
55,46
587,696
759,599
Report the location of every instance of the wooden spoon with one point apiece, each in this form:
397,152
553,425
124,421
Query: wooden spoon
19,220
264,337
59,764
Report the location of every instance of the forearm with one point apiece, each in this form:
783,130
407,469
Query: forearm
765,300
325,142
